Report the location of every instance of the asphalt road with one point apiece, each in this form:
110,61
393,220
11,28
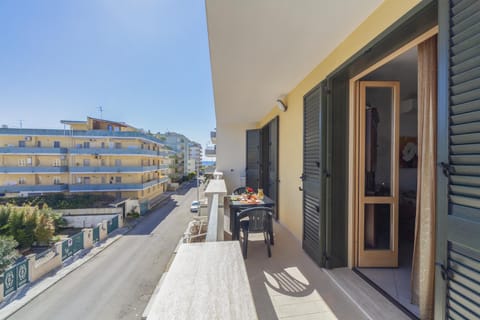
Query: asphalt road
118,282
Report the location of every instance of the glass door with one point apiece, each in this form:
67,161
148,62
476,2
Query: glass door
379,104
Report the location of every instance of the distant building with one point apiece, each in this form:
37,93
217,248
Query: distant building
92,156
188,154
211,149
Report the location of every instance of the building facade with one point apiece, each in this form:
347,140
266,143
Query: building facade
361,121
185,151
93,156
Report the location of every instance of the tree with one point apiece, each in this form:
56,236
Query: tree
45,228
8,254
21,225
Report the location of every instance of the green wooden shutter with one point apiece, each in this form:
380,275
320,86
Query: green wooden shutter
273,162
313,183
458,210
253,158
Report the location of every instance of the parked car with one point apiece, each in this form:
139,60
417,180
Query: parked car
195,206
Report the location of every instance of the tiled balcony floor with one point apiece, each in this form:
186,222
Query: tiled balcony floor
289,285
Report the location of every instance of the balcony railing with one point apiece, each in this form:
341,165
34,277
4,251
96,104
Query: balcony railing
34,188
78,133
115,186
39,169
113,169
215,192
89,151
229,296
109,151
32,150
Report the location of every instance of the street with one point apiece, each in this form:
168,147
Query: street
118,282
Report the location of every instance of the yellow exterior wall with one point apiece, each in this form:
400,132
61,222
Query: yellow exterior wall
291,121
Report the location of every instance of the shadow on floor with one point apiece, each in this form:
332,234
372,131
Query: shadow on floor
289,285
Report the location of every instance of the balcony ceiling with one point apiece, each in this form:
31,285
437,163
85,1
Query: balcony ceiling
260,50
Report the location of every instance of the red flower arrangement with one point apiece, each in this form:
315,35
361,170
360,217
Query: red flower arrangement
249,190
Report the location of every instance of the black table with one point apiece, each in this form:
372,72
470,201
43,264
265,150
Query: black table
237,206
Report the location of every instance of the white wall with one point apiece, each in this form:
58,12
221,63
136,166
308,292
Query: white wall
86,221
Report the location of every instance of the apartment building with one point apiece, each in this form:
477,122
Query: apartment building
211,149
185,150
194,156
92,156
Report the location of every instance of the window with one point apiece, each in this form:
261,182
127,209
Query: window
79,180
86,180
86,162
118,145
118,162
103,145
109,127
56,163
29,162
86,144
56,180
56,144
21,162
21,144
39,144
21,180
116,129
118,179
104,180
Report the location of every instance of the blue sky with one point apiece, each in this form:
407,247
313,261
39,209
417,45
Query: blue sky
146,62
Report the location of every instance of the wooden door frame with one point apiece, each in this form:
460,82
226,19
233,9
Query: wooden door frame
384,257
354,140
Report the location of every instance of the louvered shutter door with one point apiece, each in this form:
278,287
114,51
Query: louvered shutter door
459,227
313,217
253,158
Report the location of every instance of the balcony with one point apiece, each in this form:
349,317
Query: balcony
79,133
211,151
33,150
289,285
110,151
115,186
112,169
34,189
32,170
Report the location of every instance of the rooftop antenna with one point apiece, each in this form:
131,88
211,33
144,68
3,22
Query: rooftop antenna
100,108
21,123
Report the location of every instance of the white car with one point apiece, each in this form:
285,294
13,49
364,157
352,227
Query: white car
195,206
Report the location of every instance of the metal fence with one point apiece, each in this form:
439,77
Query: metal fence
112,224
15,277
72,245
96,234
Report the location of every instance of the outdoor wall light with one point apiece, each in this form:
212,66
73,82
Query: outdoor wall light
281,104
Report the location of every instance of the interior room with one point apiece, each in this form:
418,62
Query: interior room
395,282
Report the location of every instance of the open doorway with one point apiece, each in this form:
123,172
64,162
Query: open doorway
388,182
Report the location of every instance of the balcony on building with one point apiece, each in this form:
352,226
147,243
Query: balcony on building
114,169
213,136
211,151
106,187
33,169
41,188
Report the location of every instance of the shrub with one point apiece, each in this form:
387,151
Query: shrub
8,254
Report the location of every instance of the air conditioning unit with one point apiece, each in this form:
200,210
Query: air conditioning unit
28,138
